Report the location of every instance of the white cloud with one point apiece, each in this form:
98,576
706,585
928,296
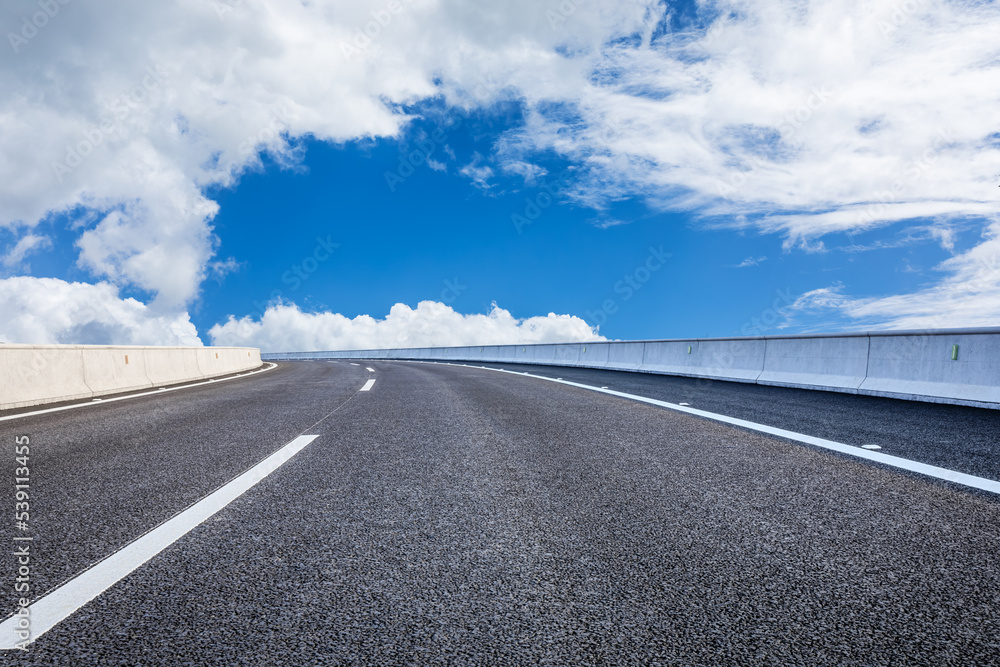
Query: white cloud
806,119
25,245
46,310
529,172
284,327
606,223
751,261
943,234
480,175
968,297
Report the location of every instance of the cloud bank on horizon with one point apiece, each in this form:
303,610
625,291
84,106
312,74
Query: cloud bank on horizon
797,118
430,324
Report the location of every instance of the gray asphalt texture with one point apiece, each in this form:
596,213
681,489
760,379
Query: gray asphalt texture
950,436
462,516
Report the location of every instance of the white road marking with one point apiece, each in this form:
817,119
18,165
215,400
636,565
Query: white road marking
49,610
962,478
368,385
684,404
354,364
125,398
371,370
872,447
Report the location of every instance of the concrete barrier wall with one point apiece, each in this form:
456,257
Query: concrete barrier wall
738,360
816,363
595,355
38,374
625,356
920,366
913,365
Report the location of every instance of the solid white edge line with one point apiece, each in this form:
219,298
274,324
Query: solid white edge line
49,610
368,385
936,472
130,396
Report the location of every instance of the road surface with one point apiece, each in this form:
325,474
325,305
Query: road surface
456,515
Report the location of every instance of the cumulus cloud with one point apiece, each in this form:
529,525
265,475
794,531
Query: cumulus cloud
806,118
968,296
285,327
797,118
46,310
529,172
25,245
478,174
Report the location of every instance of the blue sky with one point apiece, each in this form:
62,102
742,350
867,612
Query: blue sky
627,170
439,236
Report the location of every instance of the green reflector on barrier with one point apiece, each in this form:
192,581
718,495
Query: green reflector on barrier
689,349
954,352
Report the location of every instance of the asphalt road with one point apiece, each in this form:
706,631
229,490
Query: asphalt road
950,436
462,516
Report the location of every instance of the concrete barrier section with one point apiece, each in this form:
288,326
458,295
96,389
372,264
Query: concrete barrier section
38,374
171,365
736,359
625,356
941,367
536,354
594,355
816,363
568,354
459,354
107,370
489,353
